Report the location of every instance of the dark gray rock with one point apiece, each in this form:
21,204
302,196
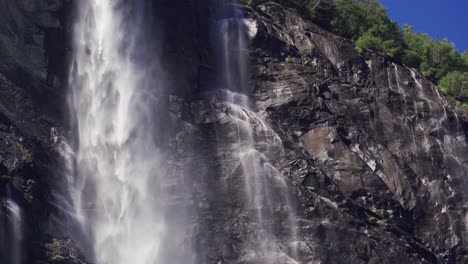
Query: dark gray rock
32,67
375,160
55,251
375,157
30,174
379,130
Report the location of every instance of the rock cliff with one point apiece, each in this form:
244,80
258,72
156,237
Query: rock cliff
376,160
379,130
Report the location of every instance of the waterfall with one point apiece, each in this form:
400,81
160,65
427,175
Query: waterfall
11,232
119,183
123,189
265,190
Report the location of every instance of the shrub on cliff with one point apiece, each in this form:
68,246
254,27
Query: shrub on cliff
465,59
366,22
435,58
456,84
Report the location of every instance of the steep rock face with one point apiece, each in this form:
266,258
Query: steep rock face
356,136
34,47
30,175
32,71
374,158
374,155
378,129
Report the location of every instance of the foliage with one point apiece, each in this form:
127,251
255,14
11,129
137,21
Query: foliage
379,39
439,61
353,18
366,22
289,59
456,84
435,58
464,57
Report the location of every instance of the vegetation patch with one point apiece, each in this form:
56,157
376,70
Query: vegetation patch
367,24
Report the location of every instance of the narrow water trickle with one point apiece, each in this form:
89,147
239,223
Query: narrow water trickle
120,185
11,232
267,197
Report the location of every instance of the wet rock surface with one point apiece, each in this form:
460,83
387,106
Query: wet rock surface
379,130
29,167
374,157
55,251
31,105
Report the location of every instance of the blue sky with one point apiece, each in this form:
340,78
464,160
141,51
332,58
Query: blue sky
438,18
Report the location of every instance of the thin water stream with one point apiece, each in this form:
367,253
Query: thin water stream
266,190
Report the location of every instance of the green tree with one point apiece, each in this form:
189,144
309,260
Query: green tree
442,59
366,22
350,18
414,45
384,37
464,57
456,85
320,11
435,58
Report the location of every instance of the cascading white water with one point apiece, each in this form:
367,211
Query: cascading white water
16,230
11,234
430,122
266,190
117,189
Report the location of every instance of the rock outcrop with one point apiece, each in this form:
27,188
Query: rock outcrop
32,101
376,157
378,129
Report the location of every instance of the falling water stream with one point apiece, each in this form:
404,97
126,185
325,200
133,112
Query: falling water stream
265,188
11,232
118,189
130,205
